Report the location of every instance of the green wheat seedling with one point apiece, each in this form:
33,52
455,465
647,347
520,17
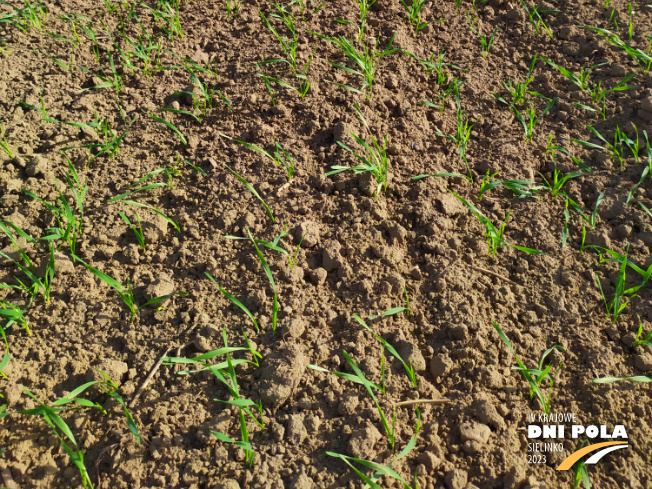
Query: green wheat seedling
520,188
37,284
125,293
461,136
253,191
4,361
359,378
112,80
232,9
534,14
622,295
290,47
69,218
582,79
409,368
4,144
581,473
616,149
225,373
414,13
167,17
635,379
493,234
599,94
630,15
556,183
293,259
13,314
270,277
374,159
532,118
137,229
363,7
643,340
643,59
111,142
314,9
177,132
486,43
438,175
235,301
518,89
30,16
86,26
41,110
437,66
281,158
379,470
646,171
365,59
534,377
62,432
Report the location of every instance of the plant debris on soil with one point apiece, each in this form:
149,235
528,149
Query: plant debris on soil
323,244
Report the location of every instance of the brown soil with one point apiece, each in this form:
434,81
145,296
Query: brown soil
356,258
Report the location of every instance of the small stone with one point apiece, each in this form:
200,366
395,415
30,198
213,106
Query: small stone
486,413
430,460
37,166
362,442
628,339
155,228
367,184
114,369
331,257
309,231
412,355
295,327
456,479
228,484
318,276
440,365
474,432
460,332
349,404
296,431
643,362
302,481
160,287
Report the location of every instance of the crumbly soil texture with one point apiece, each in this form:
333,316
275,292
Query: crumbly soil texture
337,246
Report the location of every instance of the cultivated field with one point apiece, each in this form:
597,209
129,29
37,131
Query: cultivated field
323,245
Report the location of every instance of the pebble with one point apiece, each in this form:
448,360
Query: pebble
456,479
440,365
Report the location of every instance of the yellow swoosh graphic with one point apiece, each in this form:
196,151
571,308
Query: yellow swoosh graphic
571,459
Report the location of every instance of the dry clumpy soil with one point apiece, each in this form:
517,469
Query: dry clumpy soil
357,257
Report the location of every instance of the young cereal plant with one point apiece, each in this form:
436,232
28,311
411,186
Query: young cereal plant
616,149
137,230
462,135
622,295
494,235
518,89
413,10
532,118
359,378
536,376
643,59
582,80
437,67
253,191
290,50
235,301
374,159
409,369
521,188
225,373
281,157
366,60
270,277
31,16
126,293
232,9
182,139
534,14
486,43
4,144
379,470
27,267
646,171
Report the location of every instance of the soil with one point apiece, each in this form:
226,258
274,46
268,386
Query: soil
358,256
